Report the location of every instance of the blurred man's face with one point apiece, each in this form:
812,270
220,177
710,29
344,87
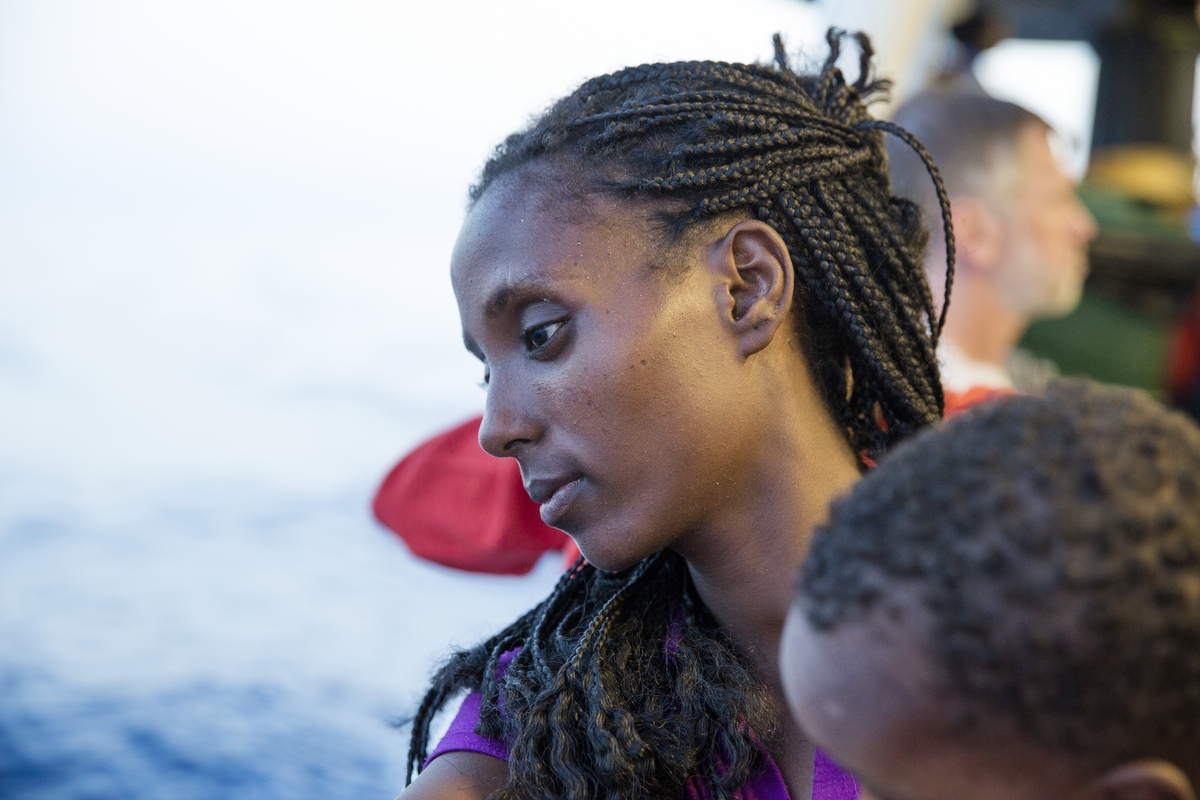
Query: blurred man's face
1047,230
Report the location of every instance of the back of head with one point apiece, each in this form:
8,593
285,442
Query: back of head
1055,544
973,139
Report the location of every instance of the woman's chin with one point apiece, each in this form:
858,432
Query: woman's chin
610,556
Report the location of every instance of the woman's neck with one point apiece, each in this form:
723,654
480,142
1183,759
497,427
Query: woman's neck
744,565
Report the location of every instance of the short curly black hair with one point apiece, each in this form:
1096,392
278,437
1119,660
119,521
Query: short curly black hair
1055,542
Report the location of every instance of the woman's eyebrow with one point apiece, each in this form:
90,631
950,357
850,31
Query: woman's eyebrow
500,300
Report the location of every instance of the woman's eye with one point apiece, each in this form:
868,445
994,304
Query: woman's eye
537,337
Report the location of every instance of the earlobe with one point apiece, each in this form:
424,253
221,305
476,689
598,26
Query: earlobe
757,281
1147,779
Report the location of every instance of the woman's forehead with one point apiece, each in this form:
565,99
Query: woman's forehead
517,233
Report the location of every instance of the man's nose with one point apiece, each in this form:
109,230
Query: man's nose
507,419
1085,223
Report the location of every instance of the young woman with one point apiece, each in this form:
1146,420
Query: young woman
700,313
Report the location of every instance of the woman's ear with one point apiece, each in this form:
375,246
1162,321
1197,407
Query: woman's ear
756,281
1147,779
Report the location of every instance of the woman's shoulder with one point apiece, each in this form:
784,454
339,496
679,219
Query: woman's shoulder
465,765
459,775
461,736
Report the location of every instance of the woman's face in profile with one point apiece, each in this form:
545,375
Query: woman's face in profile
612,382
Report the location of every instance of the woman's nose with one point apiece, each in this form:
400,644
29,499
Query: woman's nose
507,419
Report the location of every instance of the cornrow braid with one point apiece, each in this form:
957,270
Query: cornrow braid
604,702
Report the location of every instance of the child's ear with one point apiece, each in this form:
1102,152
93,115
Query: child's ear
1148,779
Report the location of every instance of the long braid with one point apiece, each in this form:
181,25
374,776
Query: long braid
595,704
943,202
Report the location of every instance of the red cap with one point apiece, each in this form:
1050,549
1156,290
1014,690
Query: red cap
455,505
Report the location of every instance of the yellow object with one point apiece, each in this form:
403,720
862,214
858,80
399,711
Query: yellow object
1150,173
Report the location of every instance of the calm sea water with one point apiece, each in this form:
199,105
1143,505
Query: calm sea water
258,650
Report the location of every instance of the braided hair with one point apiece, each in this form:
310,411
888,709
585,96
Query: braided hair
595,704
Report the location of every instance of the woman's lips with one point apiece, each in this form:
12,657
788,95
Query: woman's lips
555,508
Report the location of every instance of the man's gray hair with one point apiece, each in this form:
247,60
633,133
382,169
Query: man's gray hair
973,139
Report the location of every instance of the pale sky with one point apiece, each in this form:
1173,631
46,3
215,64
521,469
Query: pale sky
225,226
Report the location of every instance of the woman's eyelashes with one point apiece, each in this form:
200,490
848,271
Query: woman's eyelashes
539,341
538,337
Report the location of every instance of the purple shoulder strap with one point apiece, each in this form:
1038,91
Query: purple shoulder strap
829,782
461,734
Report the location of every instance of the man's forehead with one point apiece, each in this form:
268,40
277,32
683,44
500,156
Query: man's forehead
1036,154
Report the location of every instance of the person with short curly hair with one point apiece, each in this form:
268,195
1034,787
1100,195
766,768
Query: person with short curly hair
1009,607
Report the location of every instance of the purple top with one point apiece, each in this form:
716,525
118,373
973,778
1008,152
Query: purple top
829,782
